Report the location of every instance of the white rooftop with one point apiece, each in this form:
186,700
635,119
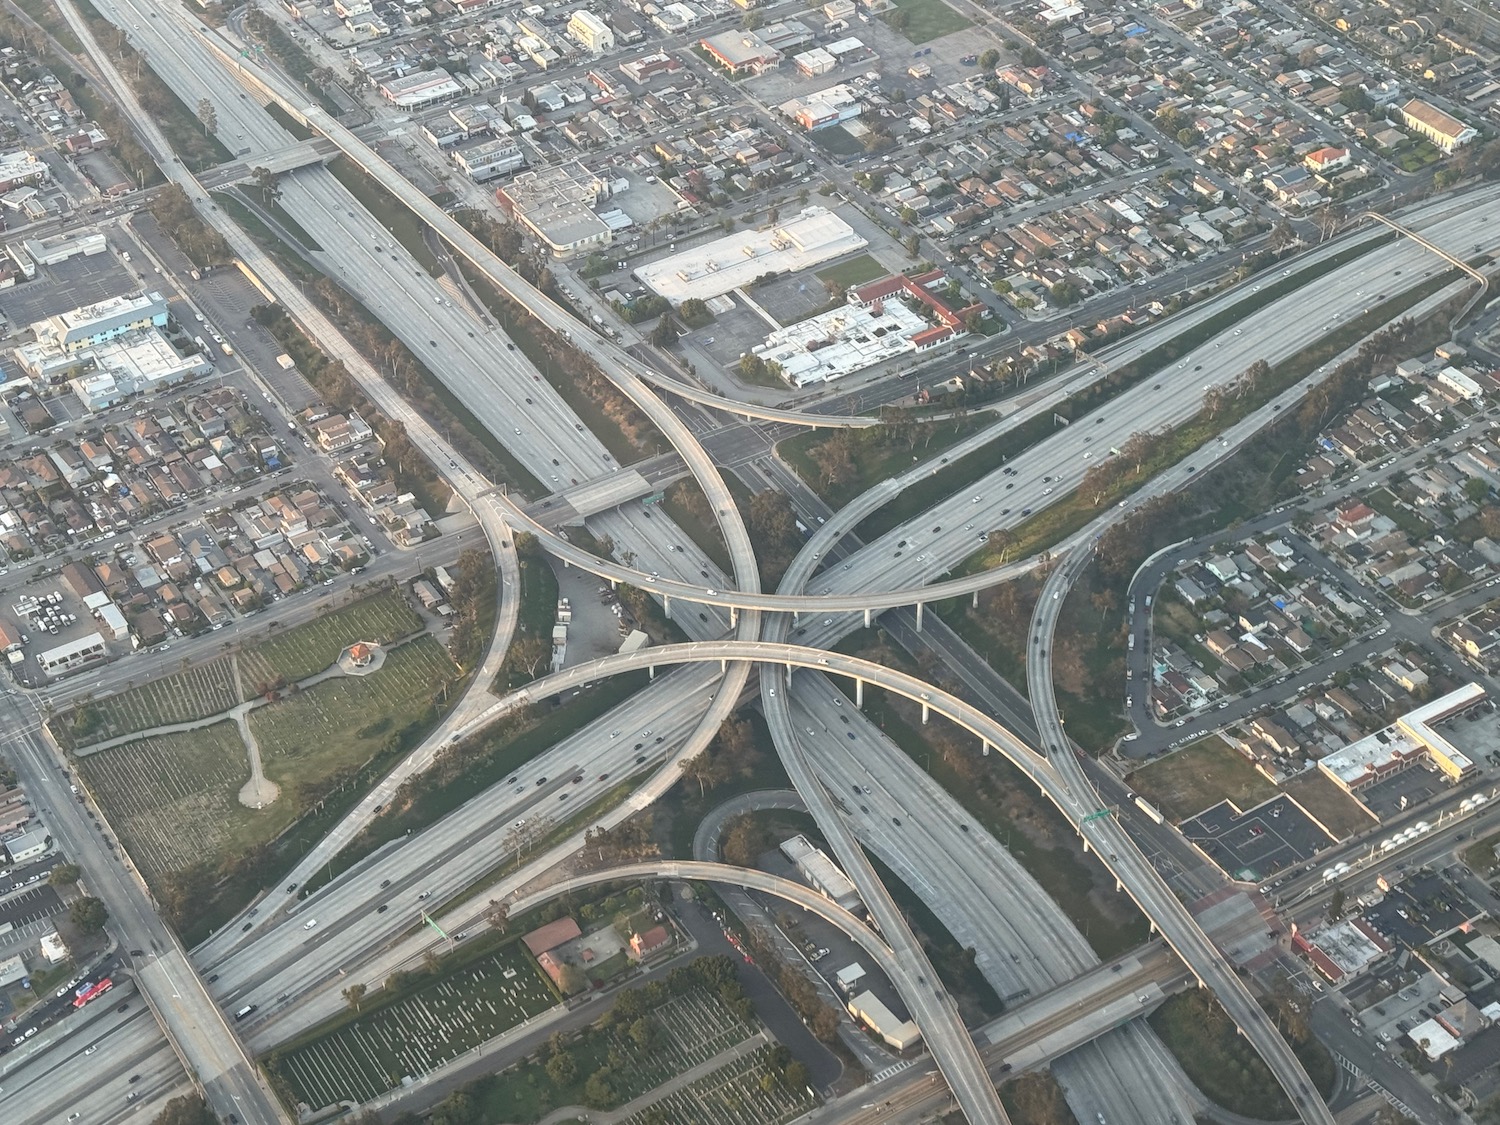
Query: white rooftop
811,238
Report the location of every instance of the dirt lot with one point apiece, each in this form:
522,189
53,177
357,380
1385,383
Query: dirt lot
1198,776
1338,812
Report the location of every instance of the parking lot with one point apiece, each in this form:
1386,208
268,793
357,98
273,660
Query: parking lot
39,902
1249,846
67,285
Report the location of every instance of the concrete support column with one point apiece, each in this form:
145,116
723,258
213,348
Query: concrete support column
867,617
1085,839
651,671
974,604
984,745
859,694
919,617
666,605
734,616
924,714
614,584
723,666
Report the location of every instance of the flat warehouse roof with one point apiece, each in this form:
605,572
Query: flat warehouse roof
811,238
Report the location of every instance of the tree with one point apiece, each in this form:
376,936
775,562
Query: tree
89,915
796,1076
1475,489
561,1069
989,58
189,1109
743,841
1281,235
570,979
269,184
643,1033
354,994
664,335
207,116
64,874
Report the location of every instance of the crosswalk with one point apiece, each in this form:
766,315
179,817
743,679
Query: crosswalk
893,1069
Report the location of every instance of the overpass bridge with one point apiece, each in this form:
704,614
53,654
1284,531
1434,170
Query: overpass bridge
300,155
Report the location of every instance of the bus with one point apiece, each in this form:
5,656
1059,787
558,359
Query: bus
90,991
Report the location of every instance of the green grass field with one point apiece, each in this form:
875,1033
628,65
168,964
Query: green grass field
415,1035
331,729
927,20
173,799
194,693
300,652
854,271
1203,774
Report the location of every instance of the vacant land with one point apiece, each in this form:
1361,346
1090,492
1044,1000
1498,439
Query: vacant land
415,1035
172,799
313,737
1205,773
310,648
194,693
1338,812
922,21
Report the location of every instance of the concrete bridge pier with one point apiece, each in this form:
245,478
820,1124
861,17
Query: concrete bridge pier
925,709
666,605
919,624
867,617
974,602
859,693
734,616
651,671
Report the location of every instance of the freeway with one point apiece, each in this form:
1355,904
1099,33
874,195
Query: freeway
1135,871
725,693
494,381
1055,468
1022,941
115,1043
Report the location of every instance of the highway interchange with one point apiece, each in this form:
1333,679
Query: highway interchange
496,384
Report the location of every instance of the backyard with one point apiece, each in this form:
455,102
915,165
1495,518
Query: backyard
1183,784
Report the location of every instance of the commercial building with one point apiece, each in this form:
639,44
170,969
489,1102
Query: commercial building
74,655
61,247
823,108
22,169
1410,740
740,52
29,845
488,159
838,343
94,324
592,32
12,971
803,242
814,63
419,88
822,874
54,949
556,205
900,1034
1442,129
